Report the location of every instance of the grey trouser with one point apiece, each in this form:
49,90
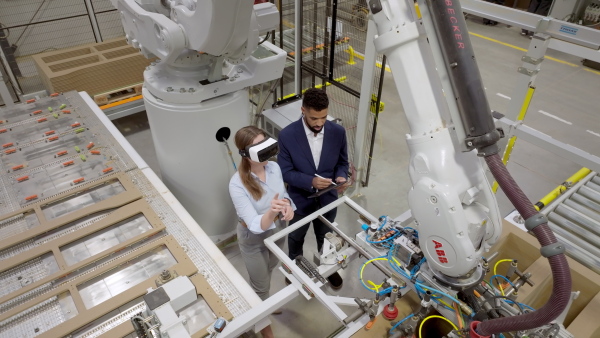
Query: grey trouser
259,261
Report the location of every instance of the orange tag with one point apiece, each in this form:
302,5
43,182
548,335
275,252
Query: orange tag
10,151
2,131
29,198
61,153
6,145
54,94
76,124
90,145
37,112
20,166
42,119
30,101
79,180
95,152
48,133
66,111
22,178
107,170
53,138
68,163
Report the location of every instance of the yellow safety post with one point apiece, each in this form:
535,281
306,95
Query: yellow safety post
351,52
339,79
511,142
583,172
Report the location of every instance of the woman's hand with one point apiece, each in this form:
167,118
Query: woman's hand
278,205
288,212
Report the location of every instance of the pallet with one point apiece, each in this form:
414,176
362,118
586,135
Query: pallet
93,68
118,94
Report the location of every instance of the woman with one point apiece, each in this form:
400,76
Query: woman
255,190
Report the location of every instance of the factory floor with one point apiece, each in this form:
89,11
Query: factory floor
565,106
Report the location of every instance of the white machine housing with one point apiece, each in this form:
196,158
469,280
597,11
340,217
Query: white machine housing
210,53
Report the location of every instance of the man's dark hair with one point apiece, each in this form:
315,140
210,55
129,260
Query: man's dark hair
315,99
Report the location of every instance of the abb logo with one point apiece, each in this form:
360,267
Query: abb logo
441,253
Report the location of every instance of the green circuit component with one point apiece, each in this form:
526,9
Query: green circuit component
55,115
77,149
50,109
62,106
82,157
79,130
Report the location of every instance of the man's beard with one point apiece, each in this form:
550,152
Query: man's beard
316,131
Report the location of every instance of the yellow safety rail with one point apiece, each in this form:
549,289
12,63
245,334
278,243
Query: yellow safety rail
582,173
339,79
512,140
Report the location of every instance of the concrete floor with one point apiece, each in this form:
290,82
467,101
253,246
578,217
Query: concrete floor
566,91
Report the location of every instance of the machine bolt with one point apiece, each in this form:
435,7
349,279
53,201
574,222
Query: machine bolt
191,90
453,209
454,64
182,90
169,89
240,70
165,274
470,144
433,199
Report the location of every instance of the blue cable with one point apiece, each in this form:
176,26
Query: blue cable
384,222
523,305
400,322
500,276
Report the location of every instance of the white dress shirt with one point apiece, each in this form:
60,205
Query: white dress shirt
250,210
315,142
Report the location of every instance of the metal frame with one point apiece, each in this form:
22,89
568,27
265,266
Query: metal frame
544,141
303,284
562,30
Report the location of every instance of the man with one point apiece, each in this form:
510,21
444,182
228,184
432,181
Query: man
312,155
541,7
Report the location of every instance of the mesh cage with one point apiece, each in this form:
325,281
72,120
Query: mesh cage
31,27
333,47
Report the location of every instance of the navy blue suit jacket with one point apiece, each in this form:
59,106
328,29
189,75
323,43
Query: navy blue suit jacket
298,167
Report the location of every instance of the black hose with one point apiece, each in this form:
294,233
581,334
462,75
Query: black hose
561,290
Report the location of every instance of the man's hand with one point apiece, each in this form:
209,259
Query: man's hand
341,180
321,183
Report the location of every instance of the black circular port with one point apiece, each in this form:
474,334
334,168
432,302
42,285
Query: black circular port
223,134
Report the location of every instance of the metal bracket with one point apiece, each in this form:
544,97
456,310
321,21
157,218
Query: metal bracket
529,72
532,60
543,25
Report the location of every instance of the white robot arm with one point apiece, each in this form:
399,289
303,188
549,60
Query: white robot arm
228,28
451,199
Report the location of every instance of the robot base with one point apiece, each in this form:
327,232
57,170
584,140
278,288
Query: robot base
194,165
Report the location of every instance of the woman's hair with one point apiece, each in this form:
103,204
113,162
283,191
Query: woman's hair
243,138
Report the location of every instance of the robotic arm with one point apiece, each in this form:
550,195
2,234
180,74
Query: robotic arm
451,200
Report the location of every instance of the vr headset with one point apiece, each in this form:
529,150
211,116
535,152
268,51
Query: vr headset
261,151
